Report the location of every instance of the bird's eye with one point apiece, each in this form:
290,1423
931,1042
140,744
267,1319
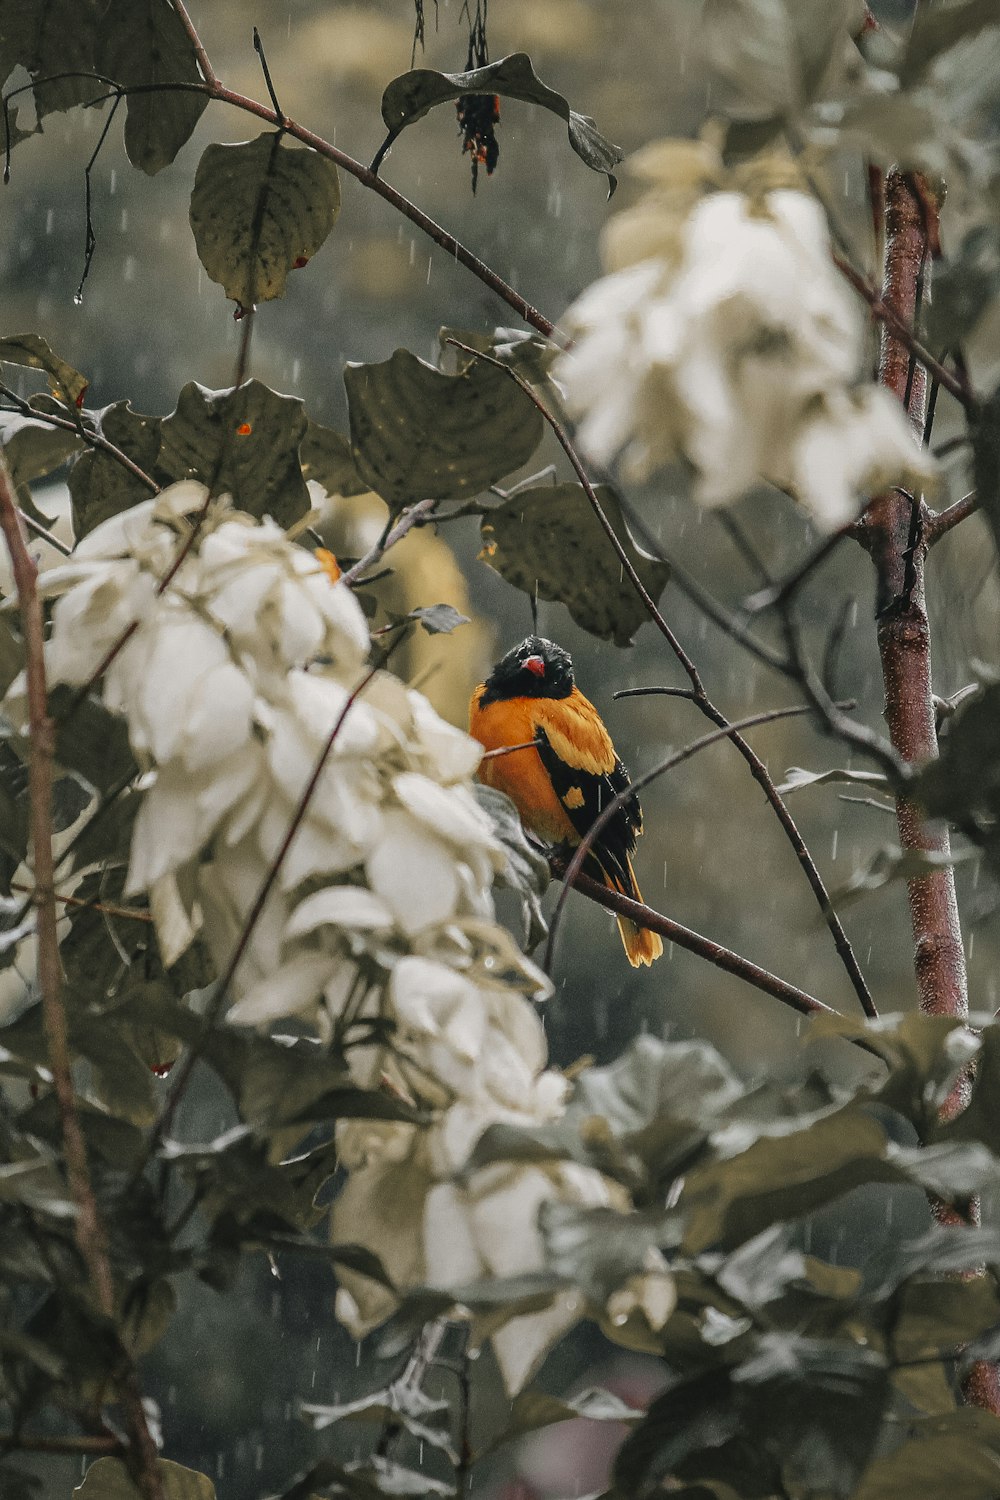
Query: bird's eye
535,665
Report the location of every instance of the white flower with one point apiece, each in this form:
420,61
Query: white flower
737,351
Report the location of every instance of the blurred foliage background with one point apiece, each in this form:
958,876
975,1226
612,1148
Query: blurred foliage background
231,1370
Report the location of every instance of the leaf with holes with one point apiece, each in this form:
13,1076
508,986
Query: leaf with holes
143,43
414,94
30,349
259,210
51,39
243,442
549,541
100,485
420,434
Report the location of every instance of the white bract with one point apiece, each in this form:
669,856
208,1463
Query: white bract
736,346
243,667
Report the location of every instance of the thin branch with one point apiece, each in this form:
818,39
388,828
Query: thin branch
89,1232
938,523
652,692
509,749
413,515
130,913
610,809
15,1442
87,435
694,942
412,1376
905,333
207,71
90,238
258,47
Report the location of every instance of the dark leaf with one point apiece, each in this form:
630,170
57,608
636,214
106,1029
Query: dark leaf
244,442
108,1479
526,870
957,1454
32,450
436,619
144,42
31,350
937,28
596,1249
964,287
963,783
548,541
775,52
49,38
259,210
326,457
92,741
688,1418
533,1410
99,484
414,94
15,1484
418,433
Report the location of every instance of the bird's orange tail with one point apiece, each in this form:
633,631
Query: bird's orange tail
641,946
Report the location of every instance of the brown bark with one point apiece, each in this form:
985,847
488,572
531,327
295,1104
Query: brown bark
893,532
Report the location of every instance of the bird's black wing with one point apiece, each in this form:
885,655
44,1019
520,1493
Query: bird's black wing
584,794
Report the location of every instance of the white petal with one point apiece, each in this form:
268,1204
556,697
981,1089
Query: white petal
339,906
413,872
292,991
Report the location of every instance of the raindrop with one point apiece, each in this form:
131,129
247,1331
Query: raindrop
77,298
49,220
113,185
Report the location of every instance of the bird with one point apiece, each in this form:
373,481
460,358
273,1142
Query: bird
560,783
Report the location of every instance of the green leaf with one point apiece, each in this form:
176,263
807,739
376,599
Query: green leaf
548,541
49,38
144,42
526,870
326,457
414,94
964,287
796,777
775,52
418,433
100,485
244,442
32,450
259,210
30,349
93,741
957,1454
938,28
963,784
108,1479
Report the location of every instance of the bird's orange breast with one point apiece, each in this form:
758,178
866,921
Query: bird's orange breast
521,774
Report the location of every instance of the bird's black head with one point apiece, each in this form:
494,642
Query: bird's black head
537,668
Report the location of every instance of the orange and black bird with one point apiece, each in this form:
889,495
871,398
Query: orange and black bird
561,783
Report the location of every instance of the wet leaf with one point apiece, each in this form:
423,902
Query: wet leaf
526,870
92,741
31,350
33,449
144,42
259,210
418,433
548,540
414,94
965,285
108,1479
242,442
100,485
436,619
326,457
49,38
957,1454
775,52
796,777
963,784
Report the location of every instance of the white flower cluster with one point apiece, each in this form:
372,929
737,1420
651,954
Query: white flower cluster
725,336
379,931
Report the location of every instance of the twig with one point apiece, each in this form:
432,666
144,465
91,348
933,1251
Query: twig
88,1228
412,1376
906,335
652,692
610,809
130,913
207,71
414,515
85,434
509,749
258,47
938,523
90,238
16,1442
694,942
